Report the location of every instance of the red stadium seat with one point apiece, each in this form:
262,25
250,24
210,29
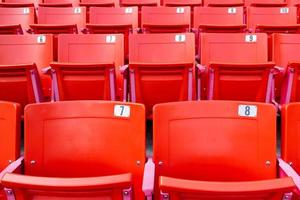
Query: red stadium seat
191,3
59,20
285,55
219,19
273,19
265,3
9,137
237,67
81,150
140,4
99,3
196,145
223,3
35,49
290,139
166,19
114,20
293,2
59,3
87,67
164,71
20,3
15,20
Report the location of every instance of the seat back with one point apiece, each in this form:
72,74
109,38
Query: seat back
59,3
100,3
260,17
204,137
35,49
10,136
182,3
139,3
233,48
20,3
114,145
285,47
22,82
114,20
163,72
166,19
111,17
224,3
293,2
87,66
220,18
290,135
265,3
16,16
62,16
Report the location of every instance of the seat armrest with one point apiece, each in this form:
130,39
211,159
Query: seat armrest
11,168
148,179
287,170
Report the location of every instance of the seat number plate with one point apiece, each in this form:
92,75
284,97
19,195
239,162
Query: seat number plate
247,111
122,111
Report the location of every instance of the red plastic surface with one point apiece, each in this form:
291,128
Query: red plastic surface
10,121
233,48
182,2
92,49
100,144
18,80
223,3
219,19
17,16
162,72
214,132
272,19
99,3
114,20
285,47
166,19
265,3
35,49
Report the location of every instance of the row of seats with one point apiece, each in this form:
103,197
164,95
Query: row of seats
110,3
153,19
65,158
162,68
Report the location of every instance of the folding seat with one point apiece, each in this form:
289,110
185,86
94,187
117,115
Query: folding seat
219,19
236,67
81,150
21,56
265,3
15,20
163,72
87,67
224,3
166,19
140,4
285,55
176,3
59,3
20,3
114,20
9,138
59,20
290,139
195,152
99,3
273,19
